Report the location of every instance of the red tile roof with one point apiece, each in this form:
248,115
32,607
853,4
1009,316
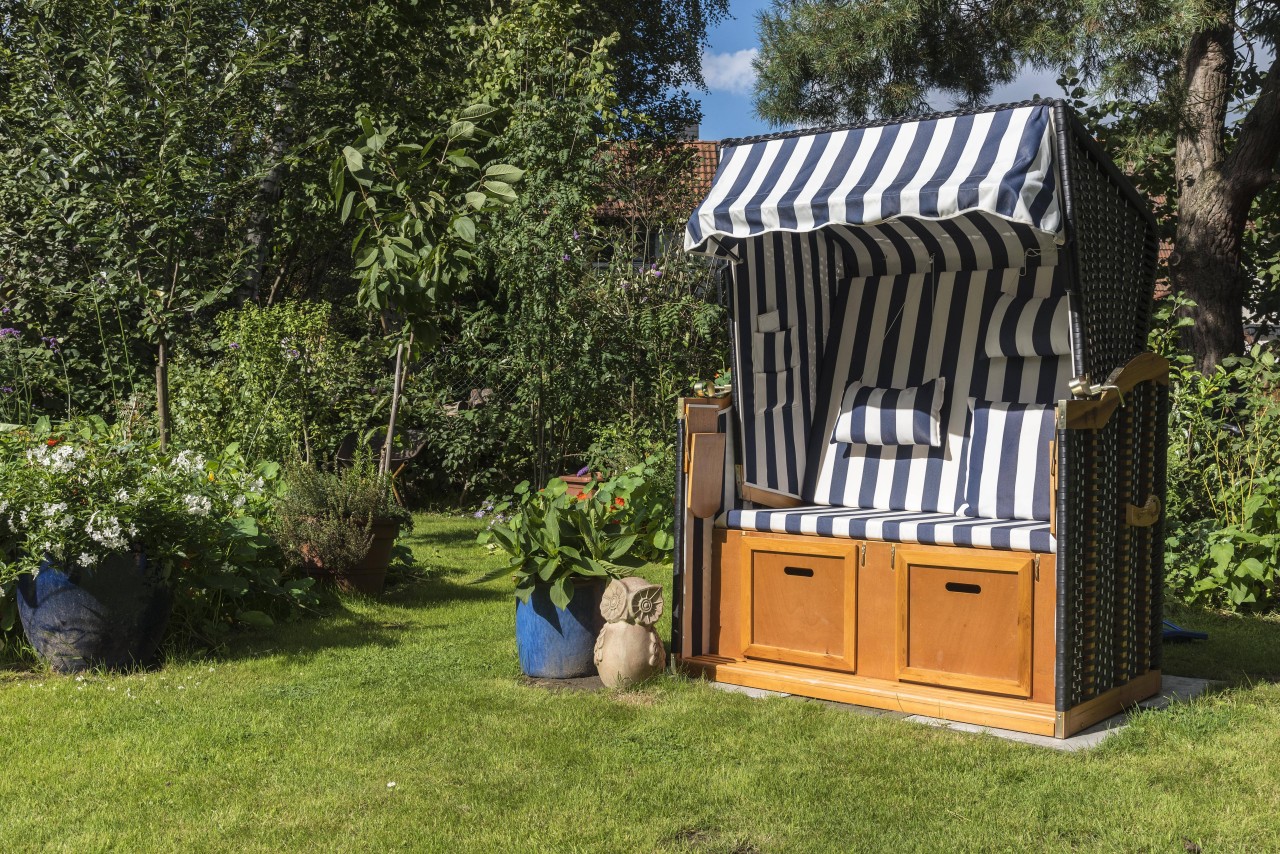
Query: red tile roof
640,188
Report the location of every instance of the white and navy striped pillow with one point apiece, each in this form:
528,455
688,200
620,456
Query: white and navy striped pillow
891,416
1009,460
1029,326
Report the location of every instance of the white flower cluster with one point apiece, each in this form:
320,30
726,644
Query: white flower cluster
59,459
197,505
108,532
188,462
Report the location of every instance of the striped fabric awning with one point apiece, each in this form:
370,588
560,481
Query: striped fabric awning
999,163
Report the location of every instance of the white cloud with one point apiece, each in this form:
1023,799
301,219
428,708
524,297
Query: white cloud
730,72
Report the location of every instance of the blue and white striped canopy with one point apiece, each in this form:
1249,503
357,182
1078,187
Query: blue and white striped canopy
999,163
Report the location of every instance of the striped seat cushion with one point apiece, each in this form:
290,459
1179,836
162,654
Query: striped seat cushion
891,416
1008,475
897,526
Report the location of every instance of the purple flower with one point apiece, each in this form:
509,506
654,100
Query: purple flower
52,343
8,389
582,472
575,234
10,332
479,514
4,309
233,346
564,257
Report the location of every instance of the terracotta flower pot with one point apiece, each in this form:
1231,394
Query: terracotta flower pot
369,575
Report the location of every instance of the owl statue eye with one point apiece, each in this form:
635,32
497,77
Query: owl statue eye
646,606
613,605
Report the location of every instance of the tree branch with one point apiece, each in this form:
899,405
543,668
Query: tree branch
1252,162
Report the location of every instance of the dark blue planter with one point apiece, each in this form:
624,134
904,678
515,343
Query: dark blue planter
113,616
555,644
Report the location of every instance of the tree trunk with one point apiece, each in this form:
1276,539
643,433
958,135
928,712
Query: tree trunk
162,392
1216,190
1205,264
261,227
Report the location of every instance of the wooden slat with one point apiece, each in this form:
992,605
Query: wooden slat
767,497
706,474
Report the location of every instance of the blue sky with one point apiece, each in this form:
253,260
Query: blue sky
726,65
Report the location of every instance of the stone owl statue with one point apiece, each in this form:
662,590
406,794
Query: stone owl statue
628,649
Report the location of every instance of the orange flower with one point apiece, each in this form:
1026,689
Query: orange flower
619,502
51,442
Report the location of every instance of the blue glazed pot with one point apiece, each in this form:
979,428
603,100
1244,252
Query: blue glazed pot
556,644
113,616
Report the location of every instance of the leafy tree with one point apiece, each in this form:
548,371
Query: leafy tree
1193,77
656,57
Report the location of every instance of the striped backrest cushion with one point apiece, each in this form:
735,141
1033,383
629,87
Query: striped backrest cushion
902,331
1008,449
1029,326
891,416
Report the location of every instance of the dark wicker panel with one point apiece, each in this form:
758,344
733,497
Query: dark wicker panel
1115,264
1114,574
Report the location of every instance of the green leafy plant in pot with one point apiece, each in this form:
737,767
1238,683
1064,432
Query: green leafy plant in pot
563,549
98,528
340,525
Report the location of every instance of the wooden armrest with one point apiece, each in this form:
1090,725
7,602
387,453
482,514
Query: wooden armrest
1094,413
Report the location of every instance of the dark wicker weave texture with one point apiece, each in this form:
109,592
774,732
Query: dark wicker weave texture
1113,572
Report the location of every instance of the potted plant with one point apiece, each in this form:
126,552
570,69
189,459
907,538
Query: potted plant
563,549
576,484
93,526
340,525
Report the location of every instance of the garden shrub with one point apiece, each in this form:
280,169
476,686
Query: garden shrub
283,382
1223,513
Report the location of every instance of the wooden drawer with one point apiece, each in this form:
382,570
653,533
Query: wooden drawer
800,602
964,619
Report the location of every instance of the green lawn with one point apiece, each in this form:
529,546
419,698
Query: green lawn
291,740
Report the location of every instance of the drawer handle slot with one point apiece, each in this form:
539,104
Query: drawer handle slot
802,571
960,587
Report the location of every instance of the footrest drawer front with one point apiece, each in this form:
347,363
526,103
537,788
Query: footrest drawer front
965,619
800,602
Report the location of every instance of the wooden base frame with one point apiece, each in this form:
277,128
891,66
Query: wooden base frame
965,634
949,704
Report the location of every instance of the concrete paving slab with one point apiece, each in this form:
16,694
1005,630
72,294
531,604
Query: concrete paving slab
750,692
1173,689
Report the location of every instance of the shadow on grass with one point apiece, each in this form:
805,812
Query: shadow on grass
439,536
345,627
1240,648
